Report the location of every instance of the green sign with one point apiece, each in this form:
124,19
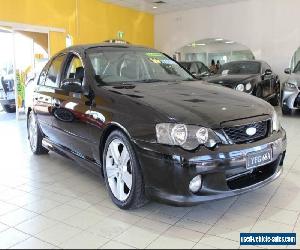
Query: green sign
121,34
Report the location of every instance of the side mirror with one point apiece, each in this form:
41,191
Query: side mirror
72,85
288,71
268,72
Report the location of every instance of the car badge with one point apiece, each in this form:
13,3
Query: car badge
251,131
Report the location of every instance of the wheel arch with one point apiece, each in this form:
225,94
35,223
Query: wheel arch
107,131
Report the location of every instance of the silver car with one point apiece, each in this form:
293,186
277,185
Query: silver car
290,94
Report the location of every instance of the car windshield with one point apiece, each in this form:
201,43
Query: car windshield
297,68
240,68
139,66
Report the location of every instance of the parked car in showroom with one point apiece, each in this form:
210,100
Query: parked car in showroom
290,95
137,118
7,93
198,69
252,77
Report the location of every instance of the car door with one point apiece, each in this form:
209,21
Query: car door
43,94
71,109
266,80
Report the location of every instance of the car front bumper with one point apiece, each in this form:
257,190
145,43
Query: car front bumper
291,99
7,98
167,171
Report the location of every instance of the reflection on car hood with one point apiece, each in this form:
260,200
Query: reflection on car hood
195,102
294,78
230,80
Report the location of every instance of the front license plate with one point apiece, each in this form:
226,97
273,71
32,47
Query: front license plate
259,158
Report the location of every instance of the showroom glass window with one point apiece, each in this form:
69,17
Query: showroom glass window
52,79
119,66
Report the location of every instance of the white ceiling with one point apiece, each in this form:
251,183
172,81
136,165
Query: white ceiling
169,5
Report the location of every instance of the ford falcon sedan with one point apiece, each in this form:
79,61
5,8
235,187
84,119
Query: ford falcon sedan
139,119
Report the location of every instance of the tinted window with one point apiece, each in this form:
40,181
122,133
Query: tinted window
73,68
54,71
239,68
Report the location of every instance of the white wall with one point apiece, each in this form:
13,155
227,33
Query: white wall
270,28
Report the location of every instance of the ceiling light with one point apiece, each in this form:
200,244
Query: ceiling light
154,7
200,44
219,39
230,42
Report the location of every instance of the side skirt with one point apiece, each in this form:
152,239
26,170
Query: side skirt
80,159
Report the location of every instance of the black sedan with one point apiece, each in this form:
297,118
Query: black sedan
252,77
198,69
137,118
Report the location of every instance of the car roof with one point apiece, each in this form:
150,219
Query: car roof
104,45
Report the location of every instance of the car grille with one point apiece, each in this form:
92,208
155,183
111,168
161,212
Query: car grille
238,134
252,177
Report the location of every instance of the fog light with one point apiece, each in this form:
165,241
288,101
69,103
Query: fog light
195,184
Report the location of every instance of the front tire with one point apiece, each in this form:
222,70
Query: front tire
35,136
122,172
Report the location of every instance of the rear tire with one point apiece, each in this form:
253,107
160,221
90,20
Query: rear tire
9,109
122,172
35,135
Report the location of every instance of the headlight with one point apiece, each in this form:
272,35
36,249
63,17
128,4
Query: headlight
188,137
248,86
275,121
290,86
240,87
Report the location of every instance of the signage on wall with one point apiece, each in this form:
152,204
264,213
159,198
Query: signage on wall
120,35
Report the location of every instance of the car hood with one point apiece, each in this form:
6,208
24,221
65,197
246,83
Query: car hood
230,80
196,102
294,78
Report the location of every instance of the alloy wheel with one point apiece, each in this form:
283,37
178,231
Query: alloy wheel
119,169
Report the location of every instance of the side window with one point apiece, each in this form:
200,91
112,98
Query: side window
73,75
54,71
43,75
74,69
